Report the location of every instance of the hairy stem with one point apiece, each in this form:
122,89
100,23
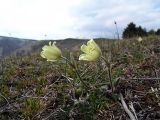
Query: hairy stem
109,73
110,78
76,71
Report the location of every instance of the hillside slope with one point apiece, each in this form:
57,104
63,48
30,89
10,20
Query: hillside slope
8,45
32,88
20,47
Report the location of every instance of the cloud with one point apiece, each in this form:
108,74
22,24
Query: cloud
75,18
102,14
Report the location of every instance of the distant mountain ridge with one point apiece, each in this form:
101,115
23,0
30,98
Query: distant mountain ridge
18,47
10,44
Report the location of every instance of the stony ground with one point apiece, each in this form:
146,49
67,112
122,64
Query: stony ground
33,89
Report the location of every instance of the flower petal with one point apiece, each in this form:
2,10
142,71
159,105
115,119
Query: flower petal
42,55
92,44
56,49
91,50
84,57
50,43
51,52
50,56
89,57
84,48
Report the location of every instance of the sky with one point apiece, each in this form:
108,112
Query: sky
58,19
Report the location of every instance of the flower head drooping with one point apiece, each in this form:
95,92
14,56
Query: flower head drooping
140,39
51,52
91,51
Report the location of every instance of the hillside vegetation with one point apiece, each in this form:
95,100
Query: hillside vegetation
33,89
10,46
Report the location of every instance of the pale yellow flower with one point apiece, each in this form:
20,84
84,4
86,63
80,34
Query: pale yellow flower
140,39
91,51
51,52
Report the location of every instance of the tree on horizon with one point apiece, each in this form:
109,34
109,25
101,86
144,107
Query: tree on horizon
133,31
